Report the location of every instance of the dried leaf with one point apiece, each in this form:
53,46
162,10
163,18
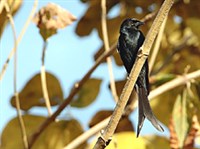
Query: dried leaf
51,18
174,142
56,136
189,141
32,95
87,94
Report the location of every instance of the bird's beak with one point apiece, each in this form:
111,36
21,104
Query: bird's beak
139,23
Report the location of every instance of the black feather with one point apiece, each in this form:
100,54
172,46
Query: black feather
129,42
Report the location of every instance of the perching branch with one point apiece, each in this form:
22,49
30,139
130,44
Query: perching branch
19,114
19,39
104,139
181,80
106,45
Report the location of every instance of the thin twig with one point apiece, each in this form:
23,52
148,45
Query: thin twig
181,80
157,45
21,122
19,39
105,138
106,45
73,92
44,81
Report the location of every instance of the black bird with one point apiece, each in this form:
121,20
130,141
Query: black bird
129,42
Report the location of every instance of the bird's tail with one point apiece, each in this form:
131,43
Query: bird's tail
145,111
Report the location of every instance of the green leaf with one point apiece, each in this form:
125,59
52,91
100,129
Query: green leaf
32,95
55,136
180,118
87,94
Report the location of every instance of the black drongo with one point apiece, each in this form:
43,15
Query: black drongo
129,42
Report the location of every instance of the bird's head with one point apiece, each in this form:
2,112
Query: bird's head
130,24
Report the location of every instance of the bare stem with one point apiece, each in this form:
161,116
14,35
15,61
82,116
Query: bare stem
181,80
19,39
106,43
104,139
44,81
19,114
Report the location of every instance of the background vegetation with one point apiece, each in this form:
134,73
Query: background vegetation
174,66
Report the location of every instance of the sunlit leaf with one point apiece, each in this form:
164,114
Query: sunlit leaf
125,140
193,24
124,124
162,105
56,136
51,18
87,94
92,17
119,86
31,95
180,118
153,142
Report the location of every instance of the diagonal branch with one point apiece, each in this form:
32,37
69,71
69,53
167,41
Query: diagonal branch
104,139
